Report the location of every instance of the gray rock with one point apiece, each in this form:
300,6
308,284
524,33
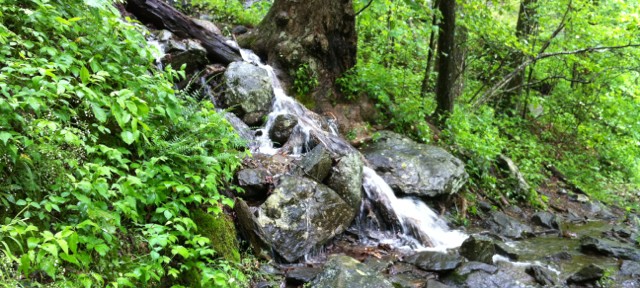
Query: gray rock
282,127
507,226
545,219
187,52
240,127
302,275
435,261
207,25
248,92
542,275
630,269
415,169
472,266
249,229
564,255
590,244
589,273
342,271
346,179
254,182
478,248
505,276
522,188
436,284
301,214
239,30
316,164
407,281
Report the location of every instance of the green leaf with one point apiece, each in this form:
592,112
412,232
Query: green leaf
102,249
127,137
84,75
5,136
99,112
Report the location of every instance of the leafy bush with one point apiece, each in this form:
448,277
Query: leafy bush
102,163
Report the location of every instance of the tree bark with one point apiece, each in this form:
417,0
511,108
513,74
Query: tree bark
318,33
432,47
446,61
524,29
163,16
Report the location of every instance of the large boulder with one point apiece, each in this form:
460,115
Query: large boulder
345,272
316,164
254,183
590,273
249,92
594,245
301,214
482,249
415,169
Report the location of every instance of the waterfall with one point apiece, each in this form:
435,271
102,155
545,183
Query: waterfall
420,226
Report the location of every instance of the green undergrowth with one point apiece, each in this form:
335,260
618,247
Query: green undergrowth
230,12
587,128
108,177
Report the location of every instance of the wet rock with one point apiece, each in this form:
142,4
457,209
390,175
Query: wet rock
378,265
415,169
478,248
316,164
545,219
239,30
345,272
248,92
240,127
507,226
407,281
249,229
435,261
186,52
299,142
254,182
590,244
542,275
564,255
630,269
436,284
346,179
598,210
207,25
301,275
282,127
590,273
505,276
301,214
472,266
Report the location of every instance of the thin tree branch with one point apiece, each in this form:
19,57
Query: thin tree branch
363,8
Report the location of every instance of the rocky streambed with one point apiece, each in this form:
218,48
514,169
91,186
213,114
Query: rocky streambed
322,213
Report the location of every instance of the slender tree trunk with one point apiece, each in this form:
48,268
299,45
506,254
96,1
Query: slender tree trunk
432,47
524,29
446,61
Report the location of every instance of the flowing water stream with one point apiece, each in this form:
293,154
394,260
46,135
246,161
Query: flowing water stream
419,226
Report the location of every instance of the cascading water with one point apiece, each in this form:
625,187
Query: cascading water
419,225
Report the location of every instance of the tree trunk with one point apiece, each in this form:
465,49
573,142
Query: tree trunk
163,16
524,29
432,47
318,33
446,61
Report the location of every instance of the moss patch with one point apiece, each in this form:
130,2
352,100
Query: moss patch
221,231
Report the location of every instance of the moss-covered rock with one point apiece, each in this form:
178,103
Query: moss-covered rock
221,231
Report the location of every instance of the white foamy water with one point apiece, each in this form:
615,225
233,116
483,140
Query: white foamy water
426,230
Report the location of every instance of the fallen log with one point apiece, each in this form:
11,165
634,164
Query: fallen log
163,16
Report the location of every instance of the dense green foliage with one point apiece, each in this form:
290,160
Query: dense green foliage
576,111
102,163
